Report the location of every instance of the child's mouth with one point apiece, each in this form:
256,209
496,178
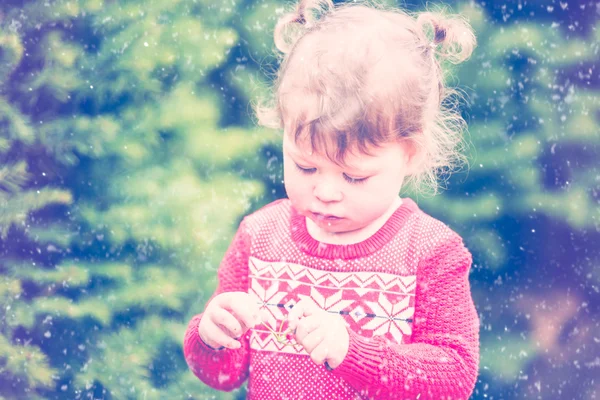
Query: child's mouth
328,218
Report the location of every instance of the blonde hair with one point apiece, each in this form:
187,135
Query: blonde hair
354,76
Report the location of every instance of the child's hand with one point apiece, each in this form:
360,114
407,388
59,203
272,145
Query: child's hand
323,335
226,318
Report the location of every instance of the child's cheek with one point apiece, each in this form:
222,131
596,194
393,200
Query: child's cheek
297,190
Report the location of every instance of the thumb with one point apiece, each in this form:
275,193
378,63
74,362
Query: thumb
234,344
296,313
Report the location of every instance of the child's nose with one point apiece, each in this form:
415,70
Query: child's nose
327,191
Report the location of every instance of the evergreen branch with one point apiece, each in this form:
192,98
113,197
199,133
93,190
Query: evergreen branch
53,233
19,315
25,314
15,209
13,177
115,271
131,352
93,137
157,288
9,288
4,145
63,307
65,276
11,54
18,126
27,362
69,274
10,294
37,16
58,83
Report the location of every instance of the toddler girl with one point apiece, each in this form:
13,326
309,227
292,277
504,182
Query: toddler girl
344,290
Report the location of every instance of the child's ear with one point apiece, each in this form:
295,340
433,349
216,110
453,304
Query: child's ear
411,157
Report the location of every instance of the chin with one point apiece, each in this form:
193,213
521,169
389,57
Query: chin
340,229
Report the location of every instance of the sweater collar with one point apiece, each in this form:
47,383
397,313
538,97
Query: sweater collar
313,247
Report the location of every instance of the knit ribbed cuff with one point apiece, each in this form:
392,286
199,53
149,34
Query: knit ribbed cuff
362,362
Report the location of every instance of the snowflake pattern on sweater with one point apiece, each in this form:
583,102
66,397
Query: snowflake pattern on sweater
379,304
403,292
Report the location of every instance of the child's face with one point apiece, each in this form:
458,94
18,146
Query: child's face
343,201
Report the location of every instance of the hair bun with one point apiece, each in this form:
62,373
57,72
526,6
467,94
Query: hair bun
292,26
453,33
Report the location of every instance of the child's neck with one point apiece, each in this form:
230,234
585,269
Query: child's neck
354,236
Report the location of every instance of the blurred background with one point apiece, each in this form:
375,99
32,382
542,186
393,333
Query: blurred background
129,154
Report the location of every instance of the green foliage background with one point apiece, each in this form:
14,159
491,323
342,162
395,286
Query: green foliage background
128,155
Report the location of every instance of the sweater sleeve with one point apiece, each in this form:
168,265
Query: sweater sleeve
443,359
224,369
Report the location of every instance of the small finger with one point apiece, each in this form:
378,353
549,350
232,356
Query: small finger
245,310
302,309
253,311
221,338
305,326
227,322
312,340
320,353
294,315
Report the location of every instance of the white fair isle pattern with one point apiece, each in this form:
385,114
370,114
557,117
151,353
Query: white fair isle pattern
393,318
380,304
360,281
270,295
332,303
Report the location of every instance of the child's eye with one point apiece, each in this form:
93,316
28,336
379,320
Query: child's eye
305,170
348,179
354,180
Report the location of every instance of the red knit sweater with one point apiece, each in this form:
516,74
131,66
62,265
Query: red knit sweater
414,330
